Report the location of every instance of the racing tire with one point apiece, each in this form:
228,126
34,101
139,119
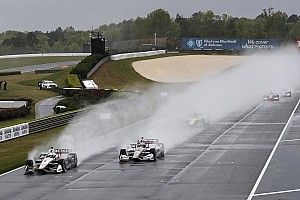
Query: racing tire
29,163
63,164
153,151
123,152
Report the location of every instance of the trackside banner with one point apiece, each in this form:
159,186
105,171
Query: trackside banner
228,44
12,132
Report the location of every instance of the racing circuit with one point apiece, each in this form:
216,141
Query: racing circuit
244,156
249,154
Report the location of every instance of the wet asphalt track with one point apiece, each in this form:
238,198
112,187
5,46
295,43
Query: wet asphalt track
222,162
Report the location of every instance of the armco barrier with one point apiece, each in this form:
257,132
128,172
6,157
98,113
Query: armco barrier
53,122
12,132
47,71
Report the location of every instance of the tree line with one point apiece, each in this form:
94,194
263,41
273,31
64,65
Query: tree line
268,24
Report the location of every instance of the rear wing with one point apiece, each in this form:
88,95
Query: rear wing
150,141
62,151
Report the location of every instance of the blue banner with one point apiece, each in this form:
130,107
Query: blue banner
228,44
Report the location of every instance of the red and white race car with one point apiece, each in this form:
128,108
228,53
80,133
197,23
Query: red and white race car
143,150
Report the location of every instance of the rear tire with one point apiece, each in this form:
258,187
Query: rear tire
153,151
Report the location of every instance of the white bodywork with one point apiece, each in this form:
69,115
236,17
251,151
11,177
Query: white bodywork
144,150
45,84
56,161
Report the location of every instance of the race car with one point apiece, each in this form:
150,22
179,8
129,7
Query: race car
271,97
196,120
143,150
55,161
287,94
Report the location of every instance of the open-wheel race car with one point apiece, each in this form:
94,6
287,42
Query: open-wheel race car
143,150
55,161
271,97
197,120
287,94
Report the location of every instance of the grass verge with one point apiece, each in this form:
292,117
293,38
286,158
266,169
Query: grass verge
14,152
25,85
19,62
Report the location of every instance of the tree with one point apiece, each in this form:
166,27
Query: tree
293,19
159,22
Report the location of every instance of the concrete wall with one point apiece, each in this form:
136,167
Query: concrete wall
137,54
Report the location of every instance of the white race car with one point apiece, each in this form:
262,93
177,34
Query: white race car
271,97
143,150
57,161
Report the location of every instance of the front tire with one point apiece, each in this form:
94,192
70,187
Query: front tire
63,164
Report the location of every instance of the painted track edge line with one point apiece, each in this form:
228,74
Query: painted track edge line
213,142
11,171
271,155
278,192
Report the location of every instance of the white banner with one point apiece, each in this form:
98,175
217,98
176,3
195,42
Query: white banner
12,132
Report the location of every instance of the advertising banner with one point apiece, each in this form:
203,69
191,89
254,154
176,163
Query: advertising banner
228,44
12,132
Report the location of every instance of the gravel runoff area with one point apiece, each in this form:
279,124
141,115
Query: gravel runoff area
188,68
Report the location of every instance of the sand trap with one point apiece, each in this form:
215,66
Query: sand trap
184,68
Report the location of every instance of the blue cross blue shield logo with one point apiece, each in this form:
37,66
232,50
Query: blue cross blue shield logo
199,43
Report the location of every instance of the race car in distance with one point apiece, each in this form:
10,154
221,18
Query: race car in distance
271,97
196,120
287,94
143,150
56,161
46,85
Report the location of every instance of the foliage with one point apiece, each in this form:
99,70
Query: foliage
12,113
73,80
268,24
86,65
83,98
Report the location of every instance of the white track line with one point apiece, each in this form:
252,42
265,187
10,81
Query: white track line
11,171
279,192
212,144
271,155
294,140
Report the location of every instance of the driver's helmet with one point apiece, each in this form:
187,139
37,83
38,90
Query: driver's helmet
140,140
51,150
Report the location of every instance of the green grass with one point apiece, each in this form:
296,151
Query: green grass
14,152
25,85
121,75
73,80
18,62
60,78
